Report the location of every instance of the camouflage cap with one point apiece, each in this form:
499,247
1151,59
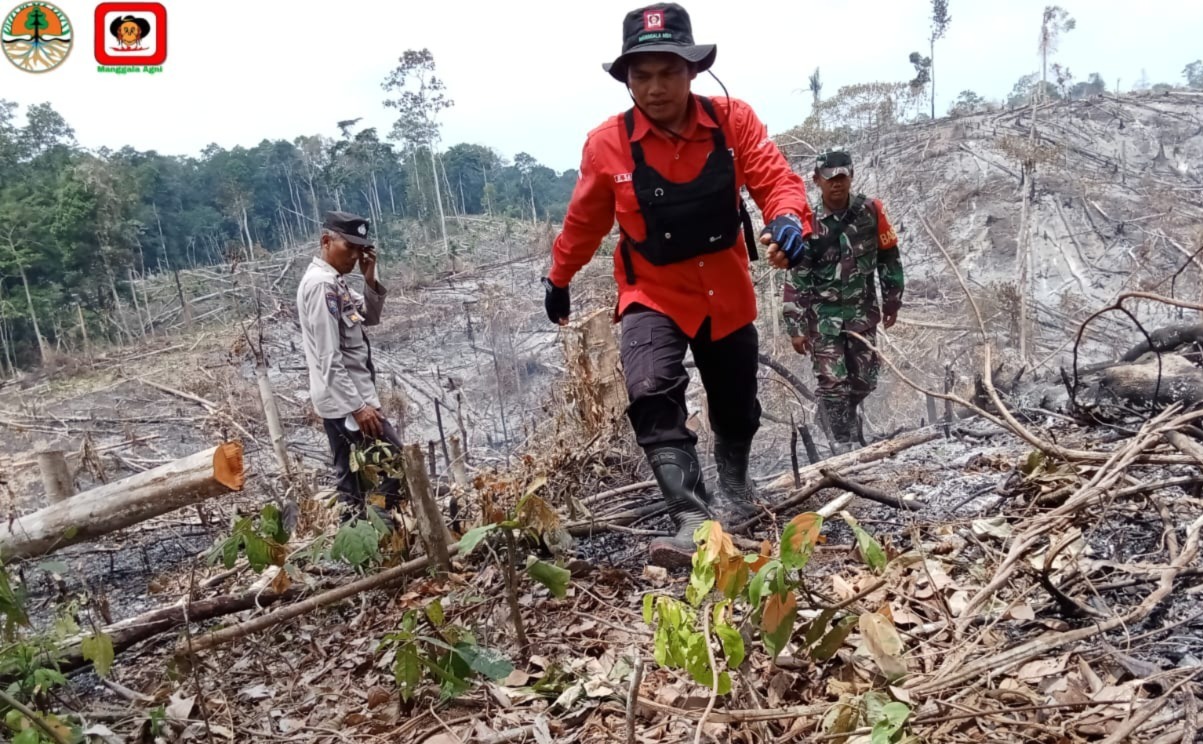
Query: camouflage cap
833,163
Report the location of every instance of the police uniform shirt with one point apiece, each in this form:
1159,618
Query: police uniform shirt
337,354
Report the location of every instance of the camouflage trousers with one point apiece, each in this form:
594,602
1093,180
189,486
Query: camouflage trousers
845,368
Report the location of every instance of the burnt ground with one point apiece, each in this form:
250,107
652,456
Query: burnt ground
477,343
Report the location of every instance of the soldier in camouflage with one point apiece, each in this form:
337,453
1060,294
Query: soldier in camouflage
831,290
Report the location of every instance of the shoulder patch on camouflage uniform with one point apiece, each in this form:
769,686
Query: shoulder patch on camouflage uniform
332,303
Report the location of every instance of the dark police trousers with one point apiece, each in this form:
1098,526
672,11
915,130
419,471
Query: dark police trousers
346,482
653,356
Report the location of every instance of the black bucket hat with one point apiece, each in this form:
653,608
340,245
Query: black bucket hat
659,28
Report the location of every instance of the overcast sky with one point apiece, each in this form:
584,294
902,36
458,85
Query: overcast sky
525,75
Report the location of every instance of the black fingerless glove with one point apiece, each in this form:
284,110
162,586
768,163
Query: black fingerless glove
556,301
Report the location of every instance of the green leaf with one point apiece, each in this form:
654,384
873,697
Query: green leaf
663,638
454,671
777,622
229,551
697,660
45,679
798,540
894,715
733,644
551,576
378,523
407,669
271,524
870,549
30,735
701,580
473,537
756,588
258,552
814,631
487,661
158,719
98,649
833,640
874,703
434,611
724,683
649,607
356,543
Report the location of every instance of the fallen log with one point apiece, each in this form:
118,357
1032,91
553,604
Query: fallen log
876,451
126,633
110,507
1177,380
868,492
197,643
1167,338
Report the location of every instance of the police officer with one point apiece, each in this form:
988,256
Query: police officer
833,289
670,169
342,378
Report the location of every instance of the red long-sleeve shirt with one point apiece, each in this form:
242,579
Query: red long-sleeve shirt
718,284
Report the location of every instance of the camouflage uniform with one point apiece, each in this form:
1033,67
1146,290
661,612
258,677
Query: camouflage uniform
831,291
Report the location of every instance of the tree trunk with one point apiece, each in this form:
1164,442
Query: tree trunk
133,291
120,307
162,240
458,470
438,199
6,362
458,212
932,72
272,414
246,229
185,306
56,476
83,331
110,507
430,520
595,382
33,316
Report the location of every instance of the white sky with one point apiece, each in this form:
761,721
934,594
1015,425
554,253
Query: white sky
526,74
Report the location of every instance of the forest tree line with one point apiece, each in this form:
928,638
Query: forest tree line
77,226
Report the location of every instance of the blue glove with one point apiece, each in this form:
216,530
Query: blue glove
786,232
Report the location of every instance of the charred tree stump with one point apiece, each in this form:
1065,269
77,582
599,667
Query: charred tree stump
595,384
430,521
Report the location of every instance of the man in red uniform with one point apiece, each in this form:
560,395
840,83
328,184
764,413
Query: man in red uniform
670,169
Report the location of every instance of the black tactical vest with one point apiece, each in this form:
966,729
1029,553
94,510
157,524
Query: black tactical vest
690,219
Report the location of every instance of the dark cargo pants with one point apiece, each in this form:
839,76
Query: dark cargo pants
653,362
845,368
347,483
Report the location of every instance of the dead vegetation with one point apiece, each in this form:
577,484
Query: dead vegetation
1021,564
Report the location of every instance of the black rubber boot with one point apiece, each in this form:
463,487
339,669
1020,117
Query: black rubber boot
840,415
679,475
858,422
737,502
